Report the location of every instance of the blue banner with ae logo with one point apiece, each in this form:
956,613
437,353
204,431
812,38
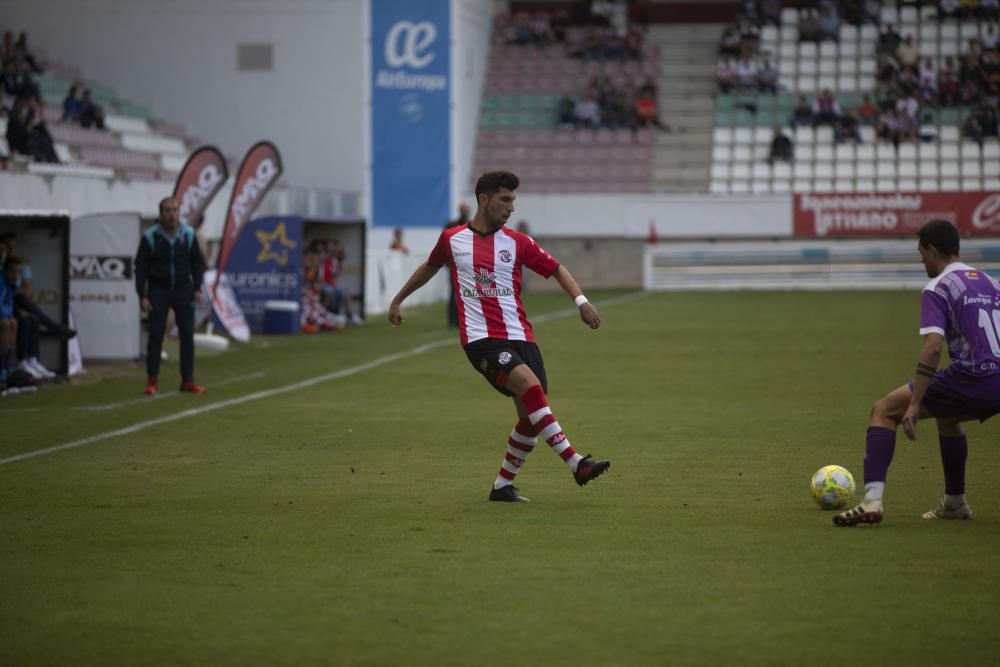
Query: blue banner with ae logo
411,118
266,265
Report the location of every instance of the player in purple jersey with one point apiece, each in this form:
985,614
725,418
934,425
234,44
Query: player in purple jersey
960,305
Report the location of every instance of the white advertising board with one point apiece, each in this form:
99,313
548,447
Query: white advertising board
105,306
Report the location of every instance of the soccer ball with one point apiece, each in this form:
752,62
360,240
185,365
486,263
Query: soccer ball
832,487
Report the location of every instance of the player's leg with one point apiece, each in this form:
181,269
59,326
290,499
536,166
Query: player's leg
520,443
523,383
954,452
880,445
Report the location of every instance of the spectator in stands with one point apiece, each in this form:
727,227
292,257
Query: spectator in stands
988,121
887,126
559,23
72,104
767,78
565,118
989,10
647,112
888,40
928,81
909,105
746,74
22,53
949,9
749,11
91,115
846,128
949,84
802,114
871,12
8,53
809,25
907,53
825,108
398,244
906,126
988,37
730,43
867,112
27,135
781,146
726,77
633,43
972,128
587,112
828,24
888,72
770,12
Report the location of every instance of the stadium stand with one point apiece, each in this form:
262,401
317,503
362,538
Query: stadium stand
941,159
134,144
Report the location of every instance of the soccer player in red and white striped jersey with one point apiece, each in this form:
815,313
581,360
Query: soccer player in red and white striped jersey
486,260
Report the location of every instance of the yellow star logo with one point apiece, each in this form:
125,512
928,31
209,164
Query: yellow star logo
274,245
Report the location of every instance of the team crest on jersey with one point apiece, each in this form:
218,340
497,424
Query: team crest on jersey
505,256
972,275
504,358
484,278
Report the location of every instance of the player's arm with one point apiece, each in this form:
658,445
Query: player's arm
419,278
588,313
927,363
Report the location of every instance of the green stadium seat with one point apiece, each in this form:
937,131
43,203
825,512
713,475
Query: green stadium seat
724,102
949,116
723,119
745,119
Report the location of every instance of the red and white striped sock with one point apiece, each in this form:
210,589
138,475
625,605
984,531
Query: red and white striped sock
547,427
520,443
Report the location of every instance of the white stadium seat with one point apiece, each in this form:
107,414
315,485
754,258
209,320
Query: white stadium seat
907,185
886,170
723,135
950,185
949,169
885,185
907,152
907,169
865,185
929,185
971,184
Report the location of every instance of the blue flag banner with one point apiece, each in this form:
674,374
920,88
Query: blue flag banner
265,265
411,117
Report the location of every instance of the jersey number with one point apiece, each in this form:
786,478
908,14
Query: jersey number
992,328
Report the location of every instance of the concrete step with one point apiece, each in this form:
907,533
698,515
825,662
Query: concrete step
686,105
687,174
677,188
673,158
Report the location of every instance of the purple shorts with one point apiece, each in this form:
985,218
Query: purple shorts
953,393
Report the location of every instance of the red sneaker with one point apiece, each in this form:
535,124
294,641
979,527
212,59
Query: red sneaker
150,385
189,386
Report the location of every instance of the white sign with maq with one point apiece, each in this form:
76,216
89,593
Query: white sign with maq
102,284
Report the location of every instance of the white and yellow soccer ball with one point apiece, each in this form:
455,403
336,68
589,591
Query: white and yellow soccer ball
832,487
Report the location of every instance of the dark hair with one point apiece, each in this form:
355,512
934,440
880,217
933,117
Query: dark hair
942,235
13,260
492,181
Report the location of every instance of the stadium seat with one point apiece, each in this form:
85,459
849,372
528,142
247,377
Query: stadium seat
972,184
799,186
949,169
907,185
907,152
885,170
950,185
929,185
822,185
865,170
970,169
781,186
865,185
743,135
844,152
865,152
991,168
991,150
720,172
949,151
804,152
718,187
907,169
885,185
824,134
803,171
739,187
742,153
927,151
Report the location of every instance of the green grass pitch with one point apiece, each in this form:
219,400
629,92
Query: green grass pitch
346,522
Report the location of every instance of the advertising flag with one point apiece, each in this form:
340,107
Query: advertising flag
259,170
202,177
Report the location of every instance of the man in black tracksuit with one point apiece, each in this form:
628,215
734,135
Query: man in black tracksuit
169,268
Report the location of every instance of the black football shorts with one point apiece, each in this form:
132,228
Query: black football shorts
495,358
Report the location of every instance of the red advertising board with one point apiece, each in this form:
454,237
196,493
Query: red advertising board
894,214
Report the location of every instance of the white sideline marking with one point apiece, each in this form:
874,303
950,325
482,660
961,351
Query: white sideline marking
239,400
158,396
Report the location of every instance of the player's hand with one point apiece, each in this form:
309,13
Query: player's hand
395,314
145,305
909,421
590,316
198,298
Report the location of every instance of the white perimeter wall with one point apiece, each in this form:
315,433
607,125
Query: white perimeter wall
179,57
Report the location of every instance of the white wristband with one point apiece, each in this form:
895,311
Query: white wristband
580,300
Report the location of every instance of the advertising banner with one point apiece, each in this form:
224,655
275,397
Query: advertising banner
265,265
225,307
411,117
102,284
894,214
203,175
258,172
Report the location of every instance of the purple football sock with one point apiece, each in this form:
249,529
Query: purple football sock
880,443
954,451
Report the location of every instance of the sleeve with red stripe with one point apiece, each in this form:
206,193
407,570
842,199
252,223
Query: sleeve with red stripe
441,254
